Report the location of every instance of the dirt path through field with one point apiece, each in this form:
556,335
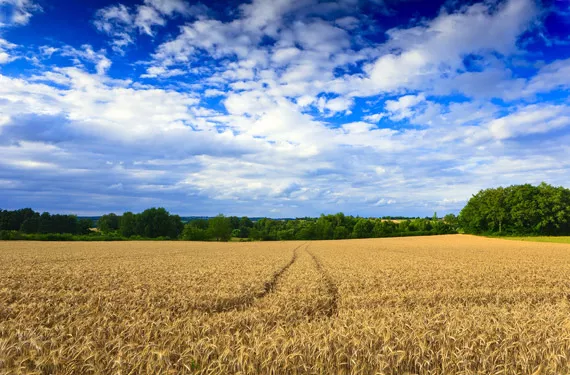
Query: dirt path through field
245,301
331,288
301,291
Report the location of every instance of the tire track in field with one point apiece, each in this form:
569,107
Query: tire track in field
331,308
244,301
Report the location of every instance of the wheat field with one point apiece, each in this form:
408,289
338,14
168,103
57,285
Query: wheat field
425,305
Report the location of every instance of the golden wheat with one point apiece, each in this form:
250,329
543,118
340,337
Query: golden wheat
428,305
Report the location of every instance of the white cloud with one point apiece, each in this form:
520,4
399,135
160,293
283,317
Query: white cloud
385,202
555,75
146,18
97,108
374,118
170,7
357,127
116,21
402,108
438,47
533,119
348,22
339,104
17,12
283,56
5,47
159,71
268,106
86,53
121,22
111,17
260,14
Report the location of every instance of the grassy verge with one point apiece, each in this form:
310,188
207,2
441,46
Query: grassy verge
95,236
560,239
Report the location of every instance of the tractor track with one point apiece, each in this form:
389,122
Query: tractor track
331,308
245,301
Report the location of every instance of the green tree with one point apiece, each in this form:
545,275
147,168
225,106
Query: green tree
84,226
108,223
13,220
245,225
324,229
128,224
341,233
157,222
31,224
234,222
194,233
363,228
219,228
452,221
518,209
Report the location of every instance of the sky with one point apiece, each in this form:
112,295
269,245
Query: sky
280,108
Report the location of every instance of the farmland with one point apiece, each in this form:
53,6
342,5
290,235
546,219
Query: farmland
425,305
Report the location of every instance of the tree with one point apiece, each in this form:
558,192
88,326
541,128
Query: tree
45,225
31,224
496,208
234,222
306,230
220,228
194,233
157,222
363,228
340,233
451,220
84,226
324,228
519,210
12,220
108,223
245,225
128,224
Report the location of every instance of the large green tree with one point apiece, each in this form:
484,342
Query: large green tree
108,223
518,209
220,228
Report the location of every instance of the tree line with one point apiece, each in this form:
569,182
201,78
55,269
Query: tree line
27,220
223,228
514,210
158,223
518,210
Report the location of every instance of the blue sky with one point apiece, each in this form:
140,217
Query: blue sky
279,108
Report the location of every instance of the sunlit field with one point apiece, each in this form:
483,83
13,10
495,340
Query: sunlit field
422,305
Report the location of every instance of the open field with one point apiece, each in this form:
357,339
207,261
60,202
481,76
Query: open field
425,305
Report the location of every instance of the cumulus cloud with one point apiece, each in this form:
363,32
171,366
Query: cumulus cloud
17,12
426,52
403,107
86,54
533,119
284,105
5,54
122,22
553,76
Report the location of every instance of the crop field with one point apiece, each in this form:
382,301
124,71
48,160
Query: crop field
418,305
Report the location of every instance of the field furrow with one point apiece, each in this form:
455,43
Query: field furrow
245,301
332,289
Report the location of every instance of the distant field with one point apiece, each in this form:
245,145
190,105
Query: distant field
452,304
561,239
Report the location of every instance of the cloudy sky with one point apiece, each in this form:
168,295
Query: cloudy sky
279,108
